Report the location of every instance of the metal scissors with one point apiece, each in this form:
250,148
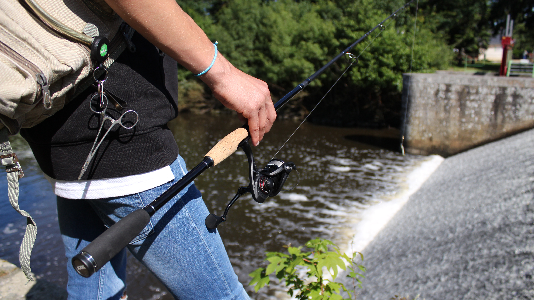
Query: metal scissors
99,104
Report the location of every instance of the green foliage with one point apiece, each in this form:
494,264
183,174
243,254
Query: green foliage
283,42
524,40
522,12
314,284
200,10
469,24
388,51
464,23
279,42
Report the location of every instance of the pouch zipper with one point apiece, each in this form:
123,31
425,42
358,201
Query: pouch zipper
32,70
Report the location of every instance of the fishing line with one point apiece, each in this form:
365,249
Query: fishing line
352,62
305,118
408,88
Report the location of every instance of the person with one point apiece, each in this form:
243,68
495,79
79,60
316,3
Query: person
133,166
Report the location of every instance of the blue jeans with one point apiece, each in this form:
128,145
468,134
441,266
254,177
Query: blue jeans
176,246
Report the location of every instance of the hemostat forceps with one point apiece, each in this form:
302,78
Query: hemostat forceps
98,105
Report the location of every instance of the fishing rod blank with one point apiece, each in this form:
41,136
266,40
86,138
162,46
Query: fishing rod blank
101,250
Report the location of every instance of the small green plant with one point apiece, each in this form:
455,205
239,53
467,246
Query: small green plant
315,283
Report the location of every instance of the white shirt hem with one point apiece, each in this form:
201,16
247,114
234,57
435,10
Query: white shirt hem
111,187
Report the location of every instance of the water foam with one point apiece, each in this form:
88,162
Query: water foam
374,218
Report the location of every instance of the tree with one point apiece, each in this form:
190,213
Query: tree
284,41
522,12
463,22
372,93
469,24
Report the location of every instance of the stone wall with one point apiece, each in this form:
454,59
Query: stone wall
447,113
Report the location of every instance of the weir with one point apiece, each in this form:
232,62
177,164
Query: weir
446,113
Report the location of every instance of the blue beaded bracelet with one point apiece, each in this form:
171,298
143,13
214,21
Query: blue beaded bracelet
212,62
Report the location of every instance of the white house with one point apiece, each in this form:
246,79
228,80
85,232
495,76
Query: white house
494,51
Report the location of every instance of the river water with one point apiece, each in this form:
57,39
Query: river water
349,182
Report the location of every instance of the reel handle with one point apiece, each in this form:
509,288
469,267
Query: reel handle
212,221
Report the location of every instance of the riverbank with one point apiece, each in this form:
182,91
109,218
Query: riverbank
467,233
15,286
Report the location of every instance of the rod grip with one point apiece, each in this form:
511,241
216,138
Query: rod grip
109,243
227,145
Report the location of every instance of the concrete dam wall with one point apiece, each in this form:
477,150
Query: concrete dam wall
446,113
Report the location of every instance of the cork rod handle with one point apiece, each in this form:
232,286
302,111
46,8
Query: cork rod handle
227,145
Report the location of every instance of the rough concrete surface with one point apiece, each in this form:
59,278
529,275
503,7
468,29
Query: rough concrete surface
450,113
467,233
15,286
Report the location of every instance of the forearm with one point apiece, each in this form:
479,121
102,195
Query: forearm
170,29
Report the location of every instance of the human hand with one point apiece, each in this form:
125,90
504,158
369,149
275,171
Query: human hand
248,96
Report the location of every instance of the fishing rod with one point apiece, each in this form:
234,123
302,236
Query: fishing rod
263,183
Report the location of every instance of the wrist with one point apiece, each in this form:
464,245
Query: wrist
217,74
212,62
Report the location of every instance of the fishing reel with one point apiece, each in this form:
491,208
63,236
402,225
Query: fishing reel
263,183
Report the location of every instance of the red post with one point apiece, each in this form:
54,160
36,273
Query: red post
507,44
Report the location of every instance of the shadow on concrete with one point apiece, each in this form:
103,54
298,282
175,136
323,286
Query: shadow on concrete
44,290
387,143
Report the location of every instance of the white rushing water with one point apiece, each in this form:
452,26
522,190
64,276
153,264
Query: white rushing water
375,217
356,223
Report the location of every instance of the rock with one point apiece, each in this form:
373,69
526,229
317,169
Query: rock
15,286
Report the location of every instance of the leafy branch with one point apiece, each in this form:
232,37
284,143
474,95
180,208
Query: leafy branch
315,283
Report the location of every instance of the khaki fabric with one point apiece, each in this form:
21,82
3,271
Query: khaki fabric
28,46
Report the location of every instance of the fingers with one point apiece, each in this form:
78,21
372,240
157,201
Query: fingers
270,116
261,119
254,130
248,96
261,124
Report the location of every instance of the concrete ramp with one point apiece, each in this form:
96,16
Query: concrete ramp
467,233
